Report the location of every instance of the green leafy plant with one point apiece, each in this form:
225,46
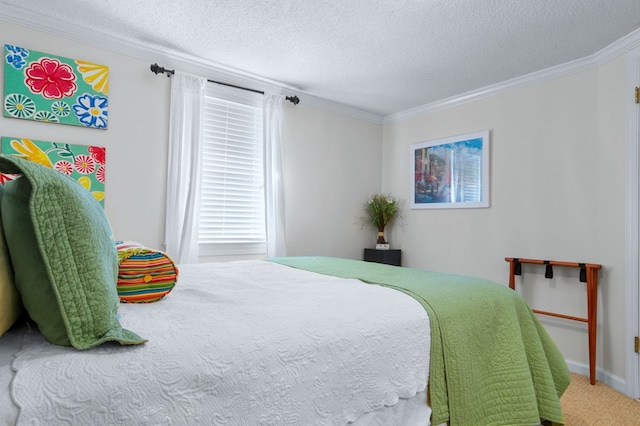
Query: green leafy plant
381,210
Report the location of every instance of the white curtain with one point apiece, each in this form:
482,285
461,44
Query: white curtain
184,165
273,182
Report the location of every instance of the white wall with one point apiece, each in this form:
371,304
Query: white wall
332,161
333,164
557,192
136,138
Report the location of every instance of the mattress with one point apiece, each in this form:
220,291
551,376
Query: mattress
238,343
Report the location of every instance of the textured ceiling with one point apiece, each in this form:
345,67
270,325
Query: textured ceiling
380,56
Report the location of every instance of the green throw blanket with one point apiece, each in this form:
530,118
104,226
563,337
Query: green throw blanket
492,362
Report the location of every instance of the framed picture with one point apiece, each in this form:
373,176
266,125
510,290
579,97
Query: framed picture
451,172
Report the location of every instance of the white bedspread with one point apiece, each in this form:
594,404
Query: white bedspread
240,343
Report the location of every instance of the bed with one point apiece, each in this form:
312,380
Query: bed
284,341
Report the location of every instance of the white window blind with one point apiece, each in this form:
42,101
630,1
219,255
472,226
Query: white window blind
232,212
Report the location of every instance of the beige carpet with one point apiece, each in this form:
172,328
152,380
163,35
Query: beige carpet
597,405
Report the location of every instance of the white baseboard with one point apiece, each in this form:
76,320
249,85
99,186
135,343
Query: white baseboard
605,377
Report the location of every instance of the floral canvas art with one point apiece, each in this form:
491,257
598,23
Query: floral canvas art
84,164
54,89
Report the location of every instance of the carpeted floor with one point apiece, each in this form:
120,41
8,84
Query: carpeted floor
597,405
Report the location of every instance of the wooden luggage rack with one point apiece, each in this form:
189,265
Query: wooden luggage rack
589,275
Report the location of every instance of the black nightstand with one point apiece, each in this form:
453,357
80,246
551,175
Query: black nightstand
390,257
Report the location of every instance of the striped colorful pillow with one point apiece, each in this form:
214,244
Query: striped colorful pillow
144,275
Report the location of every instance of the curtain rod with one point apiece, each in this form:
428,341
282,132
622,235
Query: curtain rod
157,69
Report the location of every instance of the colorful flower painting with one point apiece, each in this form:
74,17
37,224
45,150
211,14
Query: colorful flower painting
54,89
84,164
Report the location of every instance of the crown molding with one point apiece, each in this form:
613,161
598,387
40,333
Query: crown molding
173,60
112,42
186,63
612,51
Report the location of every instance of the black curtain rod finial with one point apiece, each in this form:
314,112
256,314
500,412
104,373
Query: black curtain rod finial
157,69
293,99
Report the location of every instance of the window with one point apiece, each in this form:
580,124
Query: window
232,212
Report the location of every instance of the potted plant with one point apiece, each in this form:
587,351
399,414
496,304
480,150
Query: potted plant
380,210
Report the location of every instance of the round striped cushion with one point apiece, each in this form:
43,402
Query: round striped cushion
144,275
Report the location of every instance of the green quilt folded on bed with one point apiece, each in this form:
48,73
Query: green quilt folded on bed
492,362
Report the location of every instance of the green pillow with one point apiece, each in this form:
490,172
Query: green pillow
63,256
10,304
